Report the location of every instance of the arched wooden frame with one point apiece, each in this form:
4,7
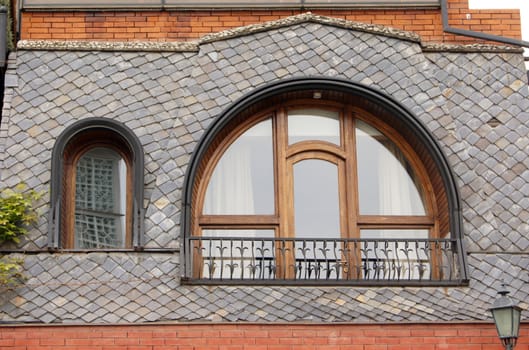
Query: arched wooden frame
347,93
343,156
74,151
72,143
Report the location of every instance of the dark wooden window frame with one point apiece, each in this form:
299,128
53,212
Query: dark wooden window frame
344,156
70,146
82,144
382,112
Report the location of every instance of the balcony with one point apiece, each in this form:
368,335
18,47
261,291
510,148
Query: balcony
289,261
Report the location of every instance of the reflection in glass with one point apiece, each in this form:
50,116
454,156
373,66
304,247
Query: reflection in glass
386,181
316,199
243,180
100,200
234,254
316,216
313,124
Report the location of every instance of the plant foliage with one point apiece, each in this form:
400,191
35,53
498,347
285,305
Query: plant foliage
10,273
16,213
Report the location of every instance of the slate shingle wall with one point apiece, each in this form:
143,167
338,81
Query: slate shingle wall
169,97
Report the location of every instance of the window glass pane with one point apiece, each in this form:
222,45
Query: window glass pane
243,180
386,181
316,218
396,254
313,124
394,234
100,200
316,199
237,254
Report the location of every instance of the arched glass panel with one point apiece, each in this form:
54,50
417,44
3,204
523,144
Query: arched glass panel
317,219
296,198
316,199
100,198
97,166
243,180
313,124
387,184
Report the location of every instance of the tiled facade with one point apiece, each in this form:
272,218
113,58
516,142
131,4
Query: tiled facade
168,97
473,99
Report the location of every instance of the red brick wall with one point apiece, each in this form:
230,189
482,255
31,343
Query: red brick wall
189,25
458,336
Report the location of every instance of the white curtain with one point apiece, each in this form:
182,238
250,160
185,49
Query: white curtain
398,192
242,182
230,189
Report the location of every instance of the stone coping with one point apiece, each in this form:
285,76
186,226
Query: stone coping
469,48
145,46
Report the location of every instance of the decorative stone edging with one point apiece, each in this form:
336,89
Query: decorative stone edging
482,48
145,46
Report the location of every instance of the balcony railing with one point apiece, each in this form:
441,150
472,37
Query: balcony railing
235,260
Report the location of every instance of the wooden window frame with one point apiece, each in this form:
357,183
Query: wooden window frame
282,221
77,139
73,153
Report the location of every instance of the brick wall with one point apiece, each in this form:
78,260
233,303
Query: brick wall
189,25
462,336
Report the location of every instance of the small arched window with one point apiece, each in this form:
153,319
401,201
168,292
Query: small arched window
96,187
314,190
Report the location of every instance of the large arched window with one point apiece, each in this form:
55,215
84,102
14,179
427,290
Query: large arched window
97,187
319,188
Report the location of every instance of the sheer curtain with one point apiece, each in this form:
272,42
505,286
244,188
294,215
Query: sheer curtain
398,191
242,183
243,180
230,189
388,186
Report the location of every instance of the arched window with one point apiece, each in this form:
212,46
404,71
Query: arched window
96,187
319,189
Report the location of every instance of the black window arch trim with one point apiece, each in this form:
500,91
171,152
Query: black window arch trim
57,168
405,116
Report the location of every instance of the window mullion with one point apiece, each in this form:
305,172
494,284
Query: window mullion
285,205
351,188
283,201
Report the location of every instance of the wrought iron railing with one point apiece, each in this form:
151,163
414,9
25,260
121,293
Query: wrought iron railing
324,261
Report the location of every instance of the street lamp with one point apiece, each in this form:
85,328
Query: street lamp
506,316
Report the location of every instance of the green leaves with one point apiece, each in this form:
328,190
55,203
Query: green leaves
10,273
16,212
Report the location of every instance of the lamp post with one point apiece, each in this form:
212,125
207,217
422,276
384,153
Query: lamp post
506,316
